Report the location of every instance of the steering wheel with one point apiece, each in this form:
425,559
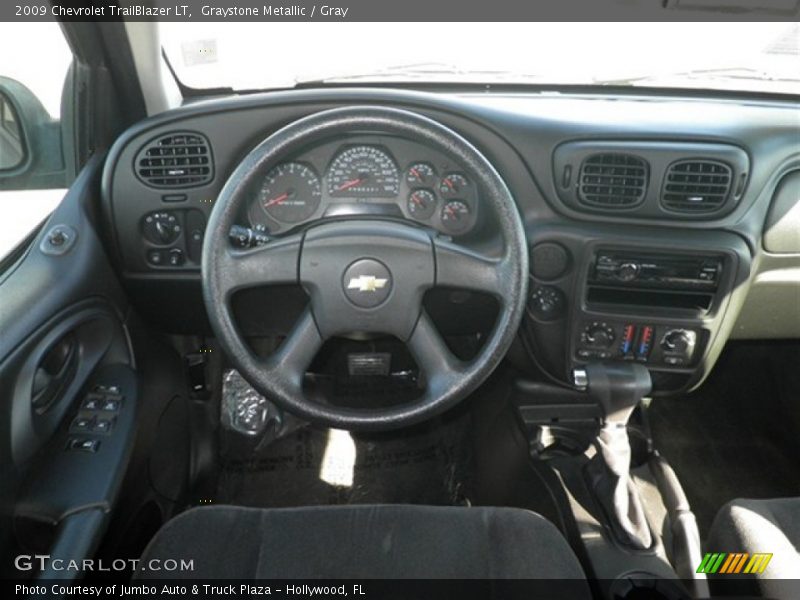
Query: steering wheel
364,275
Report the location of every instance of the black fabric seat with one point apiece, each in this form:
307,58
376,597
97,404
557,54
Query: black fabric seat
381,541
760,526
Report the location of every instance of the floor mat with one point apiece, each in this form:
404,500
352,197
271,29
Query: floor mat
322,466
737,436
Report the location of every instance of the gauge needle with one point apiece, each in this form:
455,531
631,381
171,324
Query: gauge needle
415,173
277,200
449,184
416,200
348,184
449,210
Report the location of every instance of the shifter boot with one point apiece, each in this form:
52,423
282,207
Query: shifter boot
610,481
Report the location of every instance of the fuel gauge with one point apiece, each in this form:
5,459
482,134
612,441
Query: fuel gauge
422,204
456,216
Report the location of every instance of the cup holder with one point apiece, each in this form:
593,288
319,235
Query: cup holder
641,585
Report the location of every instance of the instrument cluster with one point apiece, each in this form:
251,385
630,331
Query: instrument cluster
366,175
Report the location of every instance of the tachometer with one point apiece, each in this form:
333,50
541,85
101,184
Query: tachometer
291,192
363,172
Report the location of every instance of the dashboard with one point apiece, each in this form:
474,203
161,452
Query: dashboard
366,176
658,227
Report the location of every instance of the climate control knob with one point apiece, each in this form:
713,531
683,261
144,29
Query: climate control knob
598,335
679,341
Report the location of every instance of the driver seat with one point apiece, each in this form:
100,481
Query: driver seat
366,541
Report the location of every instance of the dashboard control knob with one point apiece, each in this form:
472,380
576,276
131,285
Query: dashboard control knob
161,228
547,302
164,232
598,335
679,341
628,271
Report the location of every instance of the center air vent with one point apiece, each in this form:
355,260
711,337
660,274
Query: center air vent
612,180
695,186
179,159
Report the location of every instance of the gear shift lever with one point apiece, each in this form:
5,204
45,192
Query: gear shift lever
617,388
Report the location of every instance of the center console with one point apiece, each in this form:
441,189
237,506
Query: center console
636,281
654,298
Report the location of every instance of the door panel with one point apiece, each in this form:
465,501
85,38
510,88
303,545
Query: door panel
62,334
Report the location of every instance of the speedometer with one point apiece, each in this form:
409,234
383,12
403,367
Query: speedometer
363,172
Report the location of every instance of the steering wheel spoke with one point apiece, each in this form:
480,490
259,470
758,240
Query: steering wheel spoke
460,267
432,355
274,263
295,354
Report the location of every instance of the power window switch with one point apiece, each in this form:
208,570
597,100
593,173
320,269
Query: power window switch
106,389
111,403
103,426
83,445
82,424
93,402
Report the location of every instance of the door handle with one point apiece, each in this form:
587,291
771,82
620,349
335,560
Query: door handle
54,373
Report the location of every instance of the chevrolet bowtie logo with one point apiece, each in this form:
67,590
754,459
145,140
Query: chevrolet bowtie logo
366,283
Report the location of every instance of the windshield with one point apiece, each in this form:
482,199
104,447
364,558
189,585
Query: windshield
760,57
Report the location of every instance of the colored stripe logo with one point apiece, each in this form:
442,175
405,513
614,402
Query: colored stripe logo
734,563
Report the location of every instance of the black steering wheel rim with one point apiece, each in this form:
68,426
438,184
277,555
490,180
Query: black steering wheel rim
280,377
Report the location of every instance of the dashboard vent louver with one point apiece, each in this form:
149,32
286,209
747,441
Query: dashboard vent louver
180,159
612,180
696,186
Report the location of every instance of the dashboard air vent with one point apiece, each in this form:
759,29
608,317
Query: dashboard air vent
179,159
696,186
612,180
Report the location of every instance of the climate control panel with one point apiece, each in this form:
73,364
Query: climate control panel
655,344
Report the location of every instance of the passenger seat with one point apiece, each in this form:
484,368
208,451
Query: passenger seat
769,526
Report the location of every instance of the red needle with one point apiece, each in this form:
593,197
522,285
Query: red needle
348,184
277,200
451,211
416,200
415,173
449,184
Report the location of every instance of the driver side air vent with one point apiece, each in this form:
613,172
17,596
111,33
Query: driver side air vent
612,180
695,186
179,159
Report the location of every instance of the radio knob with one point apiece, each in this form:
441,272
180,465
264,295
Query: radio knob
627,271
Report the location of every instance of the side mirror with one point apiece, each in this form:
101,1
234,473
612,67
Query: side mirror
12,150
31,154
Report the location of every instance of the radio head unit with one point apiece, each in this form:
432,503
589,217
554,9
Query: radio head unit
656,271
